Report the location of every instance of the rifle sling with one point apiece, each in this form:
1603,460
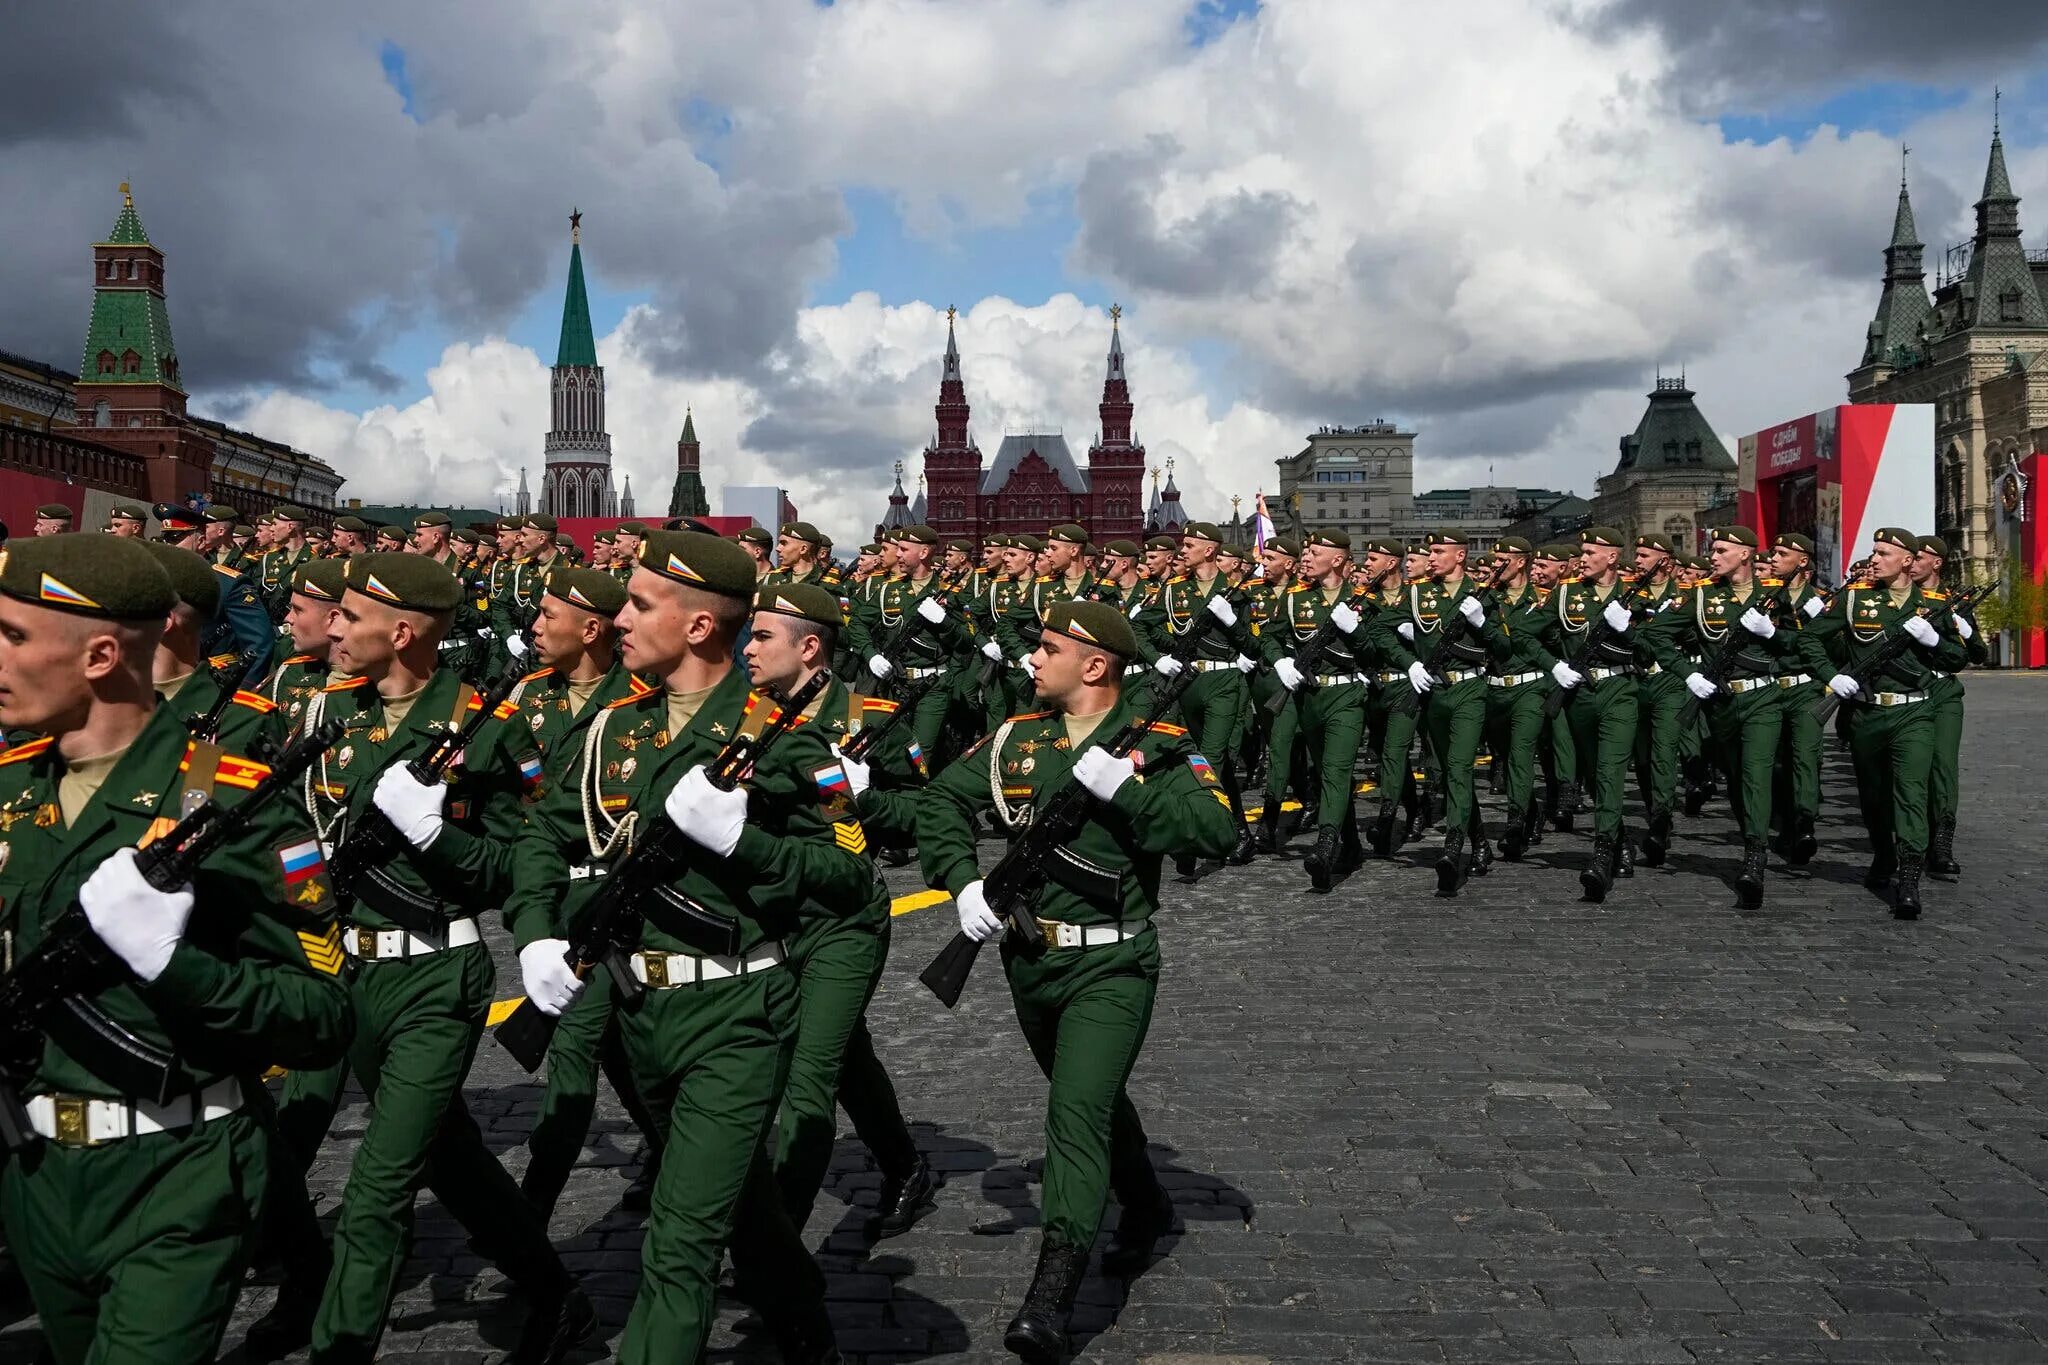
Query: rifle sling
423,916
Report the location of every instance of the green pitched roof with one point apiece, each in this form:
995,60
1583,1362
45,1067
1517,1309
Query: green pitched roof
1673,435
125,320
689,427
578,347
128,227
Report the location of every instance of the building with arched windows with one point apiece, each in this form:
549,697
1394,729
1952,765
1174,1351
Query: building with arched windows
577,479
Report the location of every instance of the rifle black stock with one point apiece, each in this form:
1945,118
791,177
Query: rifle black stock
1448,633
229,679
1733,642
1312,650
1598,634
1894,644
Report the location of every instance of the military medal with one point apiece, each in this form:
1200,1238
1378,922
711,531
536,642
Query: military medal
347,752
626,769
1027,766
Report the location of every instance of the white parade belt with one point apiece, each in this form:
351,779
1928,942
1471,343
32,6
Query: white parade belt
1058,935
667,971
1512,679
377,945
81,1121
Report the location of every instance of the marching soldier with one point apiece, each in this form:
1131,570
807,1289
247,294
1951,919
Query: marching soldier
1559,752
1660,700
1391,712
1516,687
710,1042
239,622
1945,696
1795,797
757,543
516,599
797,555
288,550
132,1216
52,519
351,536
933,645
1083,988
186,678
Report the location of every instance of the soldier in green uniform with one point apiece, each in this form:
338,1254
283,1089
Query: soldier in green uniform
1660,700
1328,705
191,683
580,675
1009,681
1084,987
710,1042
1391,713
796,555
292,685
1063,578
1890,725
517,599
52,519
1558,751
287,552
239,623
133,1219
1744,713
1945,696
1519,678
1795,797
351,536
936,642
1276,575
423,980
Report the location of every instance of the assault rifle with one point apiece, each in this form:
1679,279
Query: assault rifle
907,623
1893,645
859,746
1312,650
609,925
1598,636
229,678
373,842
1448,633
47,993
1036,856
1734,640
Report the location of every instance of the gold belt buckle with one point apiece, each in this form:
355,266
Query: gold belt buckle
74,1128
366,942
655,965
1049,930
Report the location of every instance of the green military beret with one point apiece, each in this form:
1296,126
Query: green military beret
1202,530
801,530
411,582
1557,552
429,519
1930,545
921,535
1384,546
1736,535
321,579
178,521
593,590
1656,541
755,535
1600,535
511,523
805,600
871,549
1331,538
467,535
1067,533
128,511
192,578
1697,563
1127,548
998,541
392,534
605,538
287,513
355,524
316,532
219,512
965,547
1024,542
88,575
54,511
1513,545
1161,543
1792,540
633,528
541,521
698,560
265,518
1286,545
565,540
1235,549
1443,538
243,532
1094,623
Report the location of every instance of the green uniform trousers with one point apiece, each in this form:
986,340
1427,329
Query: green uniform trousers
1391,718
1796,788
1660,697
585,1042
1892,748
1212,707
1603,718
1560,752
931,703
1742,743
838,963
712,1061
1944,778
1514,728
417,1024
1331,719
134,1251
1084,1012
1453,718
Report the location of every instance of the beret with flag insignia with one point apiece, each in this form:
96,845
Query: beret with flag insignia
698,560
633,528
1289,545
1068,533
128,511
409,582
755,535
1024,542
541,521
1202,530
801,530
1600,535
1444,538
287,513
1383,546
1161,543
1094,623
871,549
192,577
1928,545
1128,549
1330,538
1557,552
593,590
513,523
88,575
466,535
355,524
1655,541
1792,540
965,547
925,535
220,512
54,511
1513,545
1739,535
429,519
1894,535
316,532
322,579
806,600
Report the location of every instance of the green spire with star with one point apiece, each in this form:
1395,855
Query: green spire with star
578,346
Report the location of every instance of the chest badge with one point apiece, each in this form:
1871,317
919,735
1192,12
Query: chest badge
718,729
1027,765
627,769
345,756
379,735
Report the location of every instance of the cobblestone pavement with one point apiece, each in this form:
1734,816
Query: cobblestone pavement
1513,1127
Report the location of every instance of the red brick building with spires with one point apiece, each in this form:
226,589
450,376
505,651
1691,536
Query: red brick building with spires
1034,481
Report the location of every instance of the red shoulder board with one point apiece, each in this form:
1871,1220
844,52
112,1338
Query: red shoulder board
640,689
225,572
29,750
537,673
1032,715
345,685
1160,727
221,660
302,659
880,704
231,771
255,701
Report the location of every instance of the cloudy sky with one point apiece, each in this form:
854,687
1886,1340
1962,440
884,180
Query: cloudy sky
1492,220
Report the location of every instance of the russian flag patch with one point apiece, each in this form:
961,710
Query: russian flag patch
301,861
529,769
1200,767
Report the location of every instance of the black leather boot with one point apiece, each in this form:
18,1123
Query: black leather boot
905,1201
1801,845
1884,864
1941,851
1453,865
1514,840
1599,872
808,1339
1266,834
1567,807
1624,855
1138,1231
1321,861
1749,883
1381,835
1482,852
1533,824
1350,853
1906,889
555,1328
1038,1333
288,1326
1657,842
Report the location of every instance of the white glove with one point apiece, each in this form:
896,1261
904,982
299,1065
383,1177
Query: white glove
1102,774
140,923
1917,627
1472,610
1344,617
858,775
992,649
1220,608
1418,677
1844,686
1168,666
1964,628
1566,675
1758,624
1406,630
931,610
977,921
881,667
1616,616
1289,674
1246,663
544,971
413,807
515,646
1030,669
710,817
1814,607
1699,686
